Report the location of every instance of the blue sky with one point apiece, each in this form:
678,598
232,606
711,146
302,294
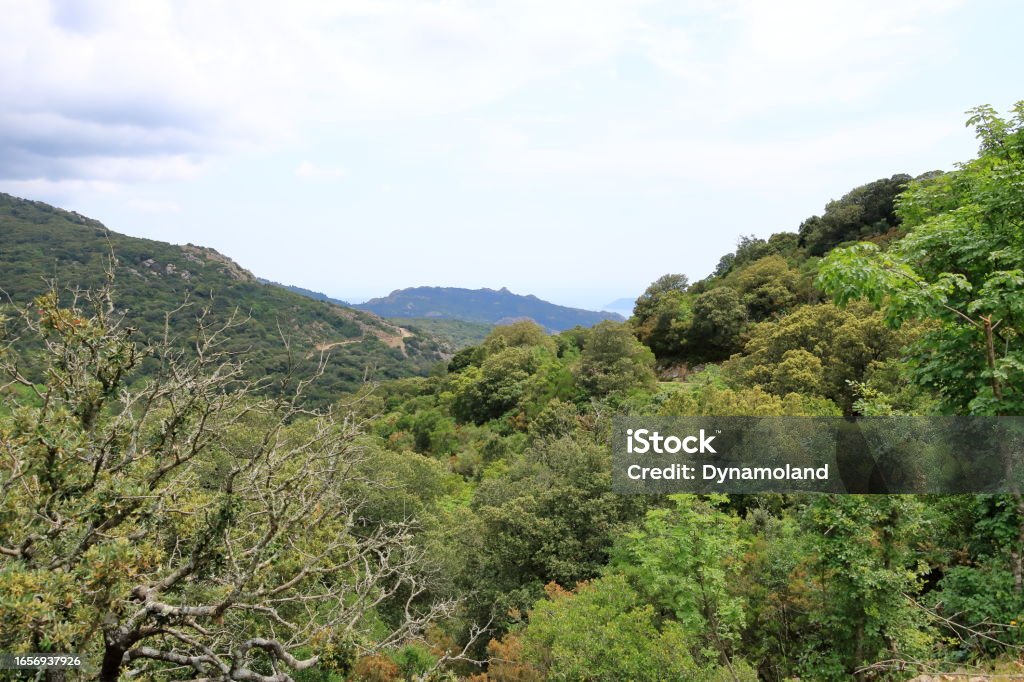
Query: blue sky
572,150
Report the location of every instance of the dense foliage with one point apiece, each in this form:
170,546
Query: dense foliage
182,522
492,476
454,335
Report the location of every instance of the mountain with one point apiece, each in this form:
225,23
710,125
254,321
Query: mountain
452,334
308,293
42,243
623,306
483,306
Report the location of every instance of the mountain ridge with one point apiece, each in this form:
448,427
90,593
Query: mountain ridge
308,293
482,306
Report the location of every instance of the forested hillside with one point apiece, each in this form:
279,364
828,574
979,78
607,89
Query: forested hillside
461,525
453,334
482,306
43,244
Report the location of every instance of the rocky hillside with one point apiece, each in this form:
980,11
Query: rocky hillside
42,243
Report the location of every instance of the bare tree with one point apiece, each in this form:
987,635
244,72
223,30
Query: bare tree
174,519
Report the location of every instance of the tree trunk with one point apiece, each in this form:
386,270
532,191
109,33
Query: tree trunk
111,668
990,356
858,644
1016,558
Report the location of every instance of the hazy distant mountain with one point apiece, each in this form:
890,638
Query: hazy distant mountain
623,306
484,306
308,293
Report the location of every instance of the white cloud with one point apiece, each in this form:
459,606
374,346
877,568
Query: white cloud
123,92
714,159
198,76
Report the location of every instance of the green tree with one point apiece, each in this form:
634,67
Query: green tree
799,372
496,386
836,346
961,263
962,266
551,517
984,590
661,316
665,327
614,362
866,565
748,249
776,586
719,318
177,521
605,632
715,400
767,287
522,334
666,284
685,560
865,211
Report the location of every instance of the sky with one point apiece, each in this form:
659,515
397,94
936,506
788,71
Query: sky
575,150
